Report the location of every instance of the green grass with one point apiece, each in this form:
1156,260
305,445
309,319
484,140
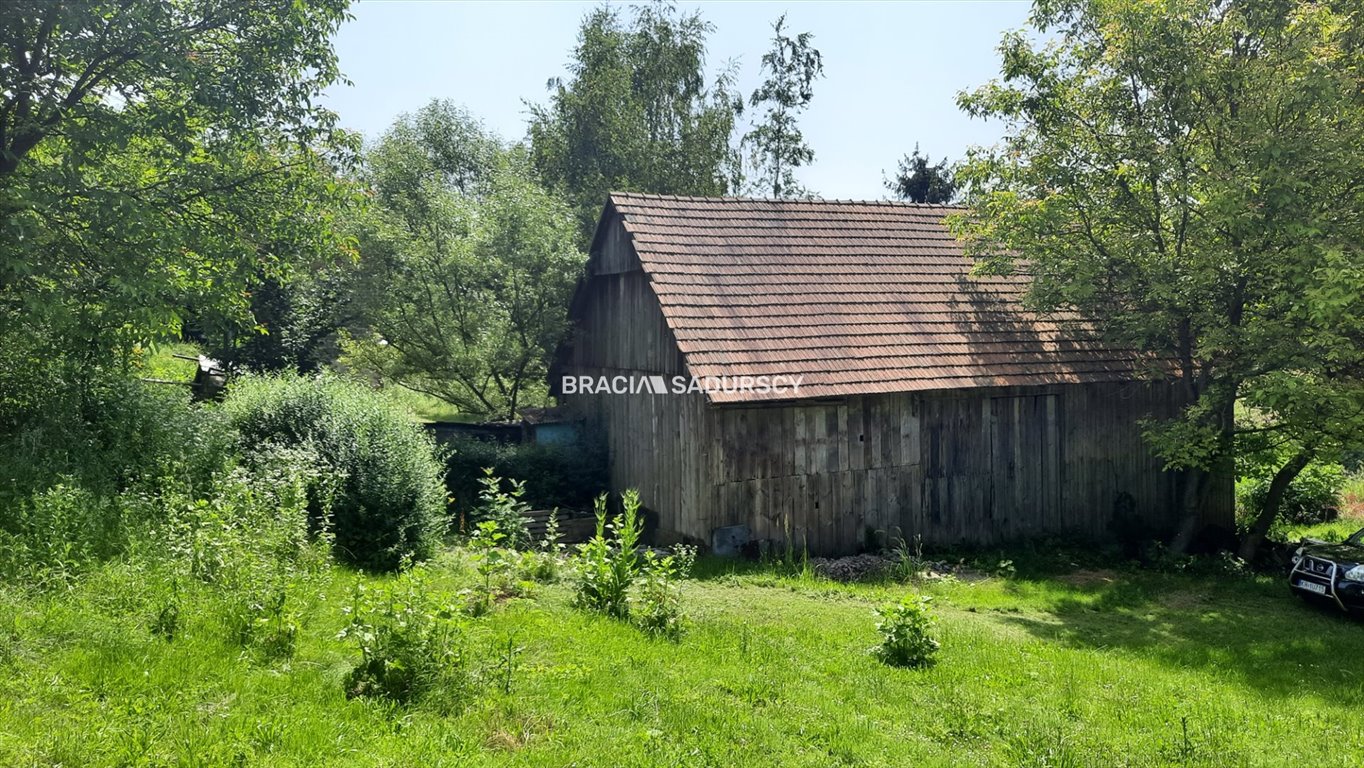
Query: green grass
426,407
1102,668
160,362
1336,530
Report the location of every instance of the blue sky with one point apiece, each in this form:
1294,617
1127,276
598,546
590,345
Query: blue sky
893,69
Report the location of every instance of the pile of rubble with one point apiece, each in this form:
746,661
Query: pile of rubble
853,568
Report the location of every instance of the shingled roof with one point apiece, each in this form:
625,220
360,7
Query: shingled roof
857,297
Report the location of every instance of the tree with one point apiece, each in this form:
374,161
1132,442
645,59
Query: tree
441,144
1185,176
469,272
298,315
778,147
636,114
1317,423
918,181
79,69
156,155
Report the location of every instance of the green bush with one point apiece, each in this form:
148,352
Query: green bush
411,642
906,634
388,500
613,578
84,456
103,431
1313,496
607,567
656,605
565,476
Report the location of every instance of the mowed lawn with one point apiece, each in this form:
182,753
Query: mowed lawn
1101,668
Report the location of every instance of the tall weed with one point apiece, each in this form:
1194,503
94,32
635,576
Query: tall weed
613,578
504,509
250,543
608,566
656,605
411,643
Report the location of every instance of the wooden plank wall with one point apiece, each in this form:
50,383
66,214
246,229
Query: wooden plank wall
646,436
819,472
620,330
976,466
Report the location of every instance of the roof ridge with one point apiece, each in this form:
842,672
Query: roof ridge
779,201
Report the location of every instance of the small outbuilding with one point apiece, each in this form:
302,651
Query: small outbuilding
831,374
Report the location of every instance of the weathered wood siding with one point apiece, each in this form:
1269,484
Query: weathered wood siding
620,331
976,466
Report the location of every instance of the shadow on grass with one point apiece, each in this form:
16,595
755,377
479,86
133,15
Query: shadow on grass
1249,629
712,568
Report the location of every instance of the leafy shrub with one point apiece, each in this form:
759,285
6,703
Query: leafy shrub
565,476
544,563
656,606
614,579
607,567
505,510
389,501
907,633
101,429
81,448
1313,496
411,642
250,543
1157,556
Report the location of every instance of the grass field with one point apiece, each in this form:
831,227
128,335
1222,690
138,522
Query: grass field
160,362
1101,668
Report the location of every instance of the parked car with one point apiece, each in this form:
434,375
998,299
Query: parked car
1331,571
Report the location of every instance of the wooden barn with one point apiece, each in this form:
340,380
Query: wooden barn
929,402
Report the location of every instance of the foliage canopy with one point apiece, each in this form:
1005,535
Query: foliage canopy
636,113
1186,176
469,264
157,156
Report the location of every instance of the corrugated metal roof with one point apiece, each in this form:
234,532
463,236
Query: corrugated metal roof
856,297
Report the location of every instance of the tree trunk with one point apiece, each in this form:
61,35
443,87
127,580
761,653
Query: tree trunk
1250,545
1198,483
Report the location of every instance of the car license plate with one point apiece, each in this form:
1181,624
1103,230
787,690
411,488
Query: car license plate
1312,587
